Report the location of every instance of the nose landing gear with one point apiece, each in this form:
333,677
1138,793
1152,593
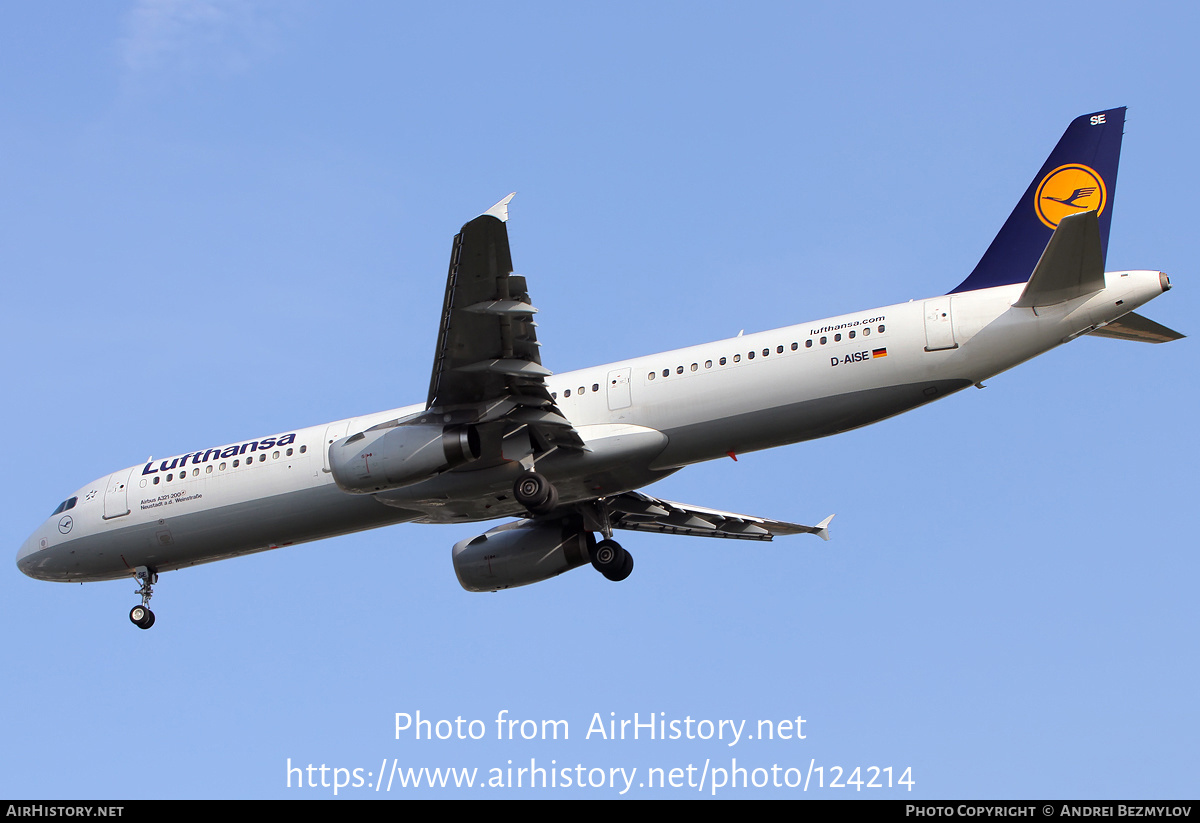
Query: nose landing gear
141,616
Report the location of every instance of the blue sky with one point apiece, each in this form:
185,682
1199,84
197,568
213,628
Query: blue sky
221,220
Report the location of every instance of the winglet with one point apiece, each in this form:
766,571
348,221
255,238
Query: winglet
500,210
823,528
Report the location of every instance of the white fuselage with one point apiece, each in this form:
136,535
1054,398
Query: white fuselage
642,419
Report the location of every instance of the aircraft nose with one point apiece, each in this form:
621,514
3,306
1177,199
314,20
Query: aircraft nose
26,555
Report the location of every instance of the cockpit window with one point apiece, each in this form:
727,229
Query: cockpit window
66,504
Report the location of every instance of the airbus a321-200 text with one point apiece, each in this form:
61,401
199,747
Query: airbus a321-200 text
500,436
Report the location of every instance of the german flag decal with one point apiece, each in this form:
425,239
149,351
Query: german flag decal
878,353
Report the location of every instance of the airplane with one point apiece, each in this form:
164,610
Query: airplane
500,436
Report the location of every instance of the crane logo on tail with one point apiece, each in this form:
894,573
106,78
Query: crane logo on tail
1067,190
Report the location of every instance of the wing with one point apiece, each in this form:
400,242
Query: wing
639,512
487,368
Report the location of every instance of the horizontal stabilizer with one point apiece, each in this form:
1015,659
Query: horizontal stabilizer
1071,266
1135,327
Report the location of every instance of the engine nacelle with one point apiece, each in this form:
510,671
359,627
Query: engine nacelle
517,554
395,456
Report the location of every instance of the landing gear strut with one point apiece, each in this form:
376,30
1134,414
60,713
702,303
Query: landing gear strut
536,493
141,616
607,555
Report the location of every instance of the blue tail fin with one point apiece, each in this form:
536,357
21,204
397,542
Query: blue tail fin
1080,175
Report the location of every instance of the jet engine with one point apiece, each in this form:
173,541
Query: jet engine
395,456
520,553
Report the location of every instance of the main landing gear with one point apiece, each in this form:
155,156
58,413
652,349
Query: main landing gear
607,555
141,616
538,495
611,560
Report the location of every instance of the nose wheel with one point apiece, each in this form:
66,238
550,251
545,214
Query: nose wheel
141,616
